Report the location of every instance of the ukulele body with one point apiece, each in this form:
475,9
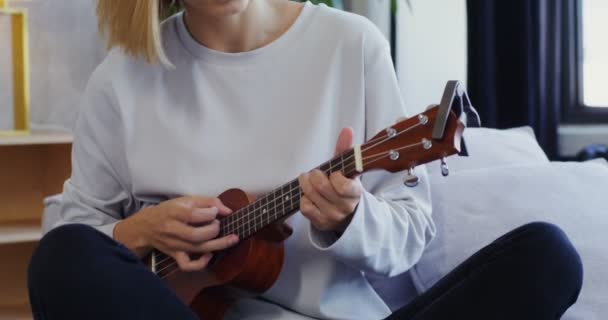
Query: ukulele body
248,269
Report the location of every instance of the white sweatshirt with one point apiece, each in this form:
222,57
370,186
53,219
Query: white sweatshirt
256,120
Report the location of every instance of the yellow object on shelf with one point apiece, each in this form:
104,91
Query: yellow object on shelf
20,69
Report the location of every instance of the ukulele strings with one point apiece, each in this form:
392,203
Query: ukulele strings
388,137
166,258
343,160
368,160
367,146
248,214
158,263
373,143
377,157
380,155
174,263
350,169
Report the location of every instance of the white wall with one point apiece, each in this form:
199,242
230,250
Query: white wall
378,11
64,49
431,44
6,75
431,49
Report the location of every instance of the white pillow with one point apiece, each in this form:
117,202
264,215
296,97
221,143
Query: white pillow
472,208
495,148
51,213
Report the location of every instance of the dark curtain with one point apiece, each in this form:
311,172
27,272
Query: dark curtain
515,64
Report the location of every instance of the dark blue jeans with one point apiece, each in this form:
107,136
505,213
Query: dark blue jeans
532,272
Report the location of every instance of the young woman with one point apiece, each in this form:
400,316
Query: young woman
250,94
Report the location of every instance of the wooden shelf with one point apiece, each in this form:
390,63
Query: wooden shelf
19,312
14,302
16,232
28,174
36,137
33,166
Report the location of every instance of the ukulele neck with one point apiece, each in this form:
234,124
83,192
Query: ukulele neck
284,200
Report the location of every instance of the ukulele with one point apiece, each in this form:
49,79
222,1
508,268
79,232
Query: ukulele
253,265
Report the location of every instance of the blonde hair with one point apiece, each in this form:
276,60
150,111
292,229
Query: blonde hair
134,26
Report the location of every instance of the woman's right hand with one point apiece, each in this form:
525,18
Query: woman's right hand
177,227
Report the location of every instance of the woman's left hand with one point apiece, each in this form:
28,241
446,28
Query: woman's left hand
329,202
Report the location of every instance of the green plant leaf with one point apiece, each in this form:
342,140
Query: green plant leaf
329,3
395,6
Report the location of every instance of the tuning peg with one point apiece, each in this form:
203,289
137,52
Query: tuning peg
445,171
423,119
411,180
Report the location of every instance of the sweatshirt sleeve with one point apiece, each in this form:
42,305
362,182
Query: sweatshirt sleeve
97,194
392,224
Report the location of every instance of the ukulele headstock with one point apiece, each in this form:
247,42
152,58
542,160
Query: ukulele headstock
432,135
410,143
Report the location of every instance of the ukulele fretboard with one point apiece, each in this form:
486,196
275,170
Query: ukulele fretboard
279,203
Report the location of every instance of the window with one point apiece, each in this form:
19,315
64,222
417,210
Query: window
594,20
585,61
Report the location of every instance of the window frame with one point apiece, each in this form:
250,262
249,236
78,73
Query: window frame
575,111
